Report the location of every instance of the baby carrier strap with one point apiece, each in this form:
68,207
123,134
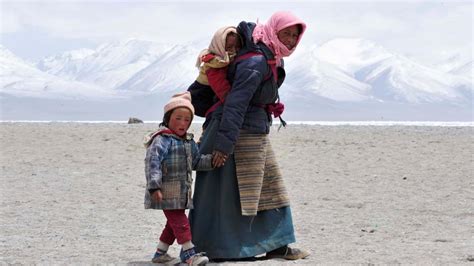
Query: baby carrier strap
277,108
271,63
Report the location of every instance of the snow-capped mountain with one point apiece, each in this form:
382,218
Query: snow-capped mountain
340,79
457,64
393,77
66,64
171,71
308,75
20,78
351,54
108,66
465,70
400,79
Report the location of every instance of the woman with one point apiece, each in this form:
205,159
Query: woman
242,209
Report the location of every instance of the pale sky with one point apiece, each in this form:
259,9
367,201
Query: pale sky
424,30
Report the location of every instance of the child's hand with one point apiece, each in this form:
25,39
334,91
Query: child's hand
218,158
157,196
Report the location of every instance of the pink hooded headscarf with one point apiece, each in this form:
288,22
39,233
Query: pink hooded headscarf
267,33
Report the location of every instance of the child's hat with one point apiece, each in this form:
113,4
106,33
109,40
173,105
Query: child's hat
180,100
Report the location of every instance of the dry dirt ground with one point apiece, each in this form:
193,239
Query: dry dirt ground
73,193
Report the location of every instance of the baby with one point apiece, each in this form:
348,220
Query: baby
211,85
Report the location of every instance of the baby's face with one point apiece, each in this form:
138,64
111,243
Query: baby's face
232,44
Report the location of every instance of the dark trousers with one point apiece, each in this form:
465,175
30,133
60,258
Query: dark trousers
177,227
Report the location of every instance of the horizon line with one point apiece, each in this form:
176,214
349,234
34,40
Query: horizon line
296,122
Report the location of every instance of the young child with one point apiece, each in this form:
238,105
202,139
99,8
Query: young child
211,85
171,155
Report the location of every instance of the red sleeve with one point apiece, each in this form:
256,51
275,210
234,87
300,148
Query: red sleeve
217,78
206,58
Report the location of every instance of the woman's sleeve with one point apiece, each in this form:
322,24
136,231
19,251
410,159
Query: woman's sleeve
248,76
155,155
201,162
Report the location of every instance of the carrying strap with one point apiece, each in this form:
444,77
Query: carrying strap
270,62
275,109
272,108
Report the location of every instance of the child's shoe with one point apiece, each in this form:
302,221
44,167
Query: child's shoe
190,257
161,258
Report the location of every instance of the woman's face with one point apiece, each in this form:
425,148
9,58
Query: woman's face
180,120
289,36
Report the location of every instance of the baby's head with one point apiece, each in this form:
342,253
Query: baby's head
179,113
226,41
233,43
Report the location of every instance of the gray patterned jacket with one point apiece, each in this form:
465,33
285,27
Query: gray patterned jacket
169,163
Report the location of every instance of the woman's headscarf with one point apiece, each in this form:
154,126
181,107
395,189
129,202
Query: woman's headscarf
268,32
217,45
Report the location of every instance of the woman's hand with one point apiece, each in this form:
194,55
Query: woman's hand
218,158
157,196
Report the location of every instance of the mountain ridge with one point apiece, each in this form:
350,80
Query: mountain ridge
341,74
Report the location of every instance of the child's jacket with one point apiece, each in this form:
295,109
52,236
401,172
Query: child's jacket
169,163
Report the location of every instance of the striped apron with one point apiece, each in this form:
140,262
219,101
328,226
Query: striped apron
259,179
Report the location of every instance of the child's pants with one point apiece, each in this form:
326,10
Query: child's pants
177,227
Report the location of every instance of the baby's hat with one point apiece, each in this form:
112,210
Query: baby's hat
180,100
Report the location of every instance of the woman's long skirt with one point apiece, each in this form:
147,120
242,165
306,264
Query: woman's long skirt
217,225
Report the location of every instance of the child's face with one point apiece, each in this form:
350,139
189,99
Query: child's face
180,120
232,43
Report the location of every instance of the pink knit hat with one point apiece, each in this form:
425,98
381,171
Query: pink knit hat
180,100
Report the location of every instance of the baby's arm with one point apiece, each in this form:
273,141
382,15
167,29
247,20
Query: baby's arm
153,160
